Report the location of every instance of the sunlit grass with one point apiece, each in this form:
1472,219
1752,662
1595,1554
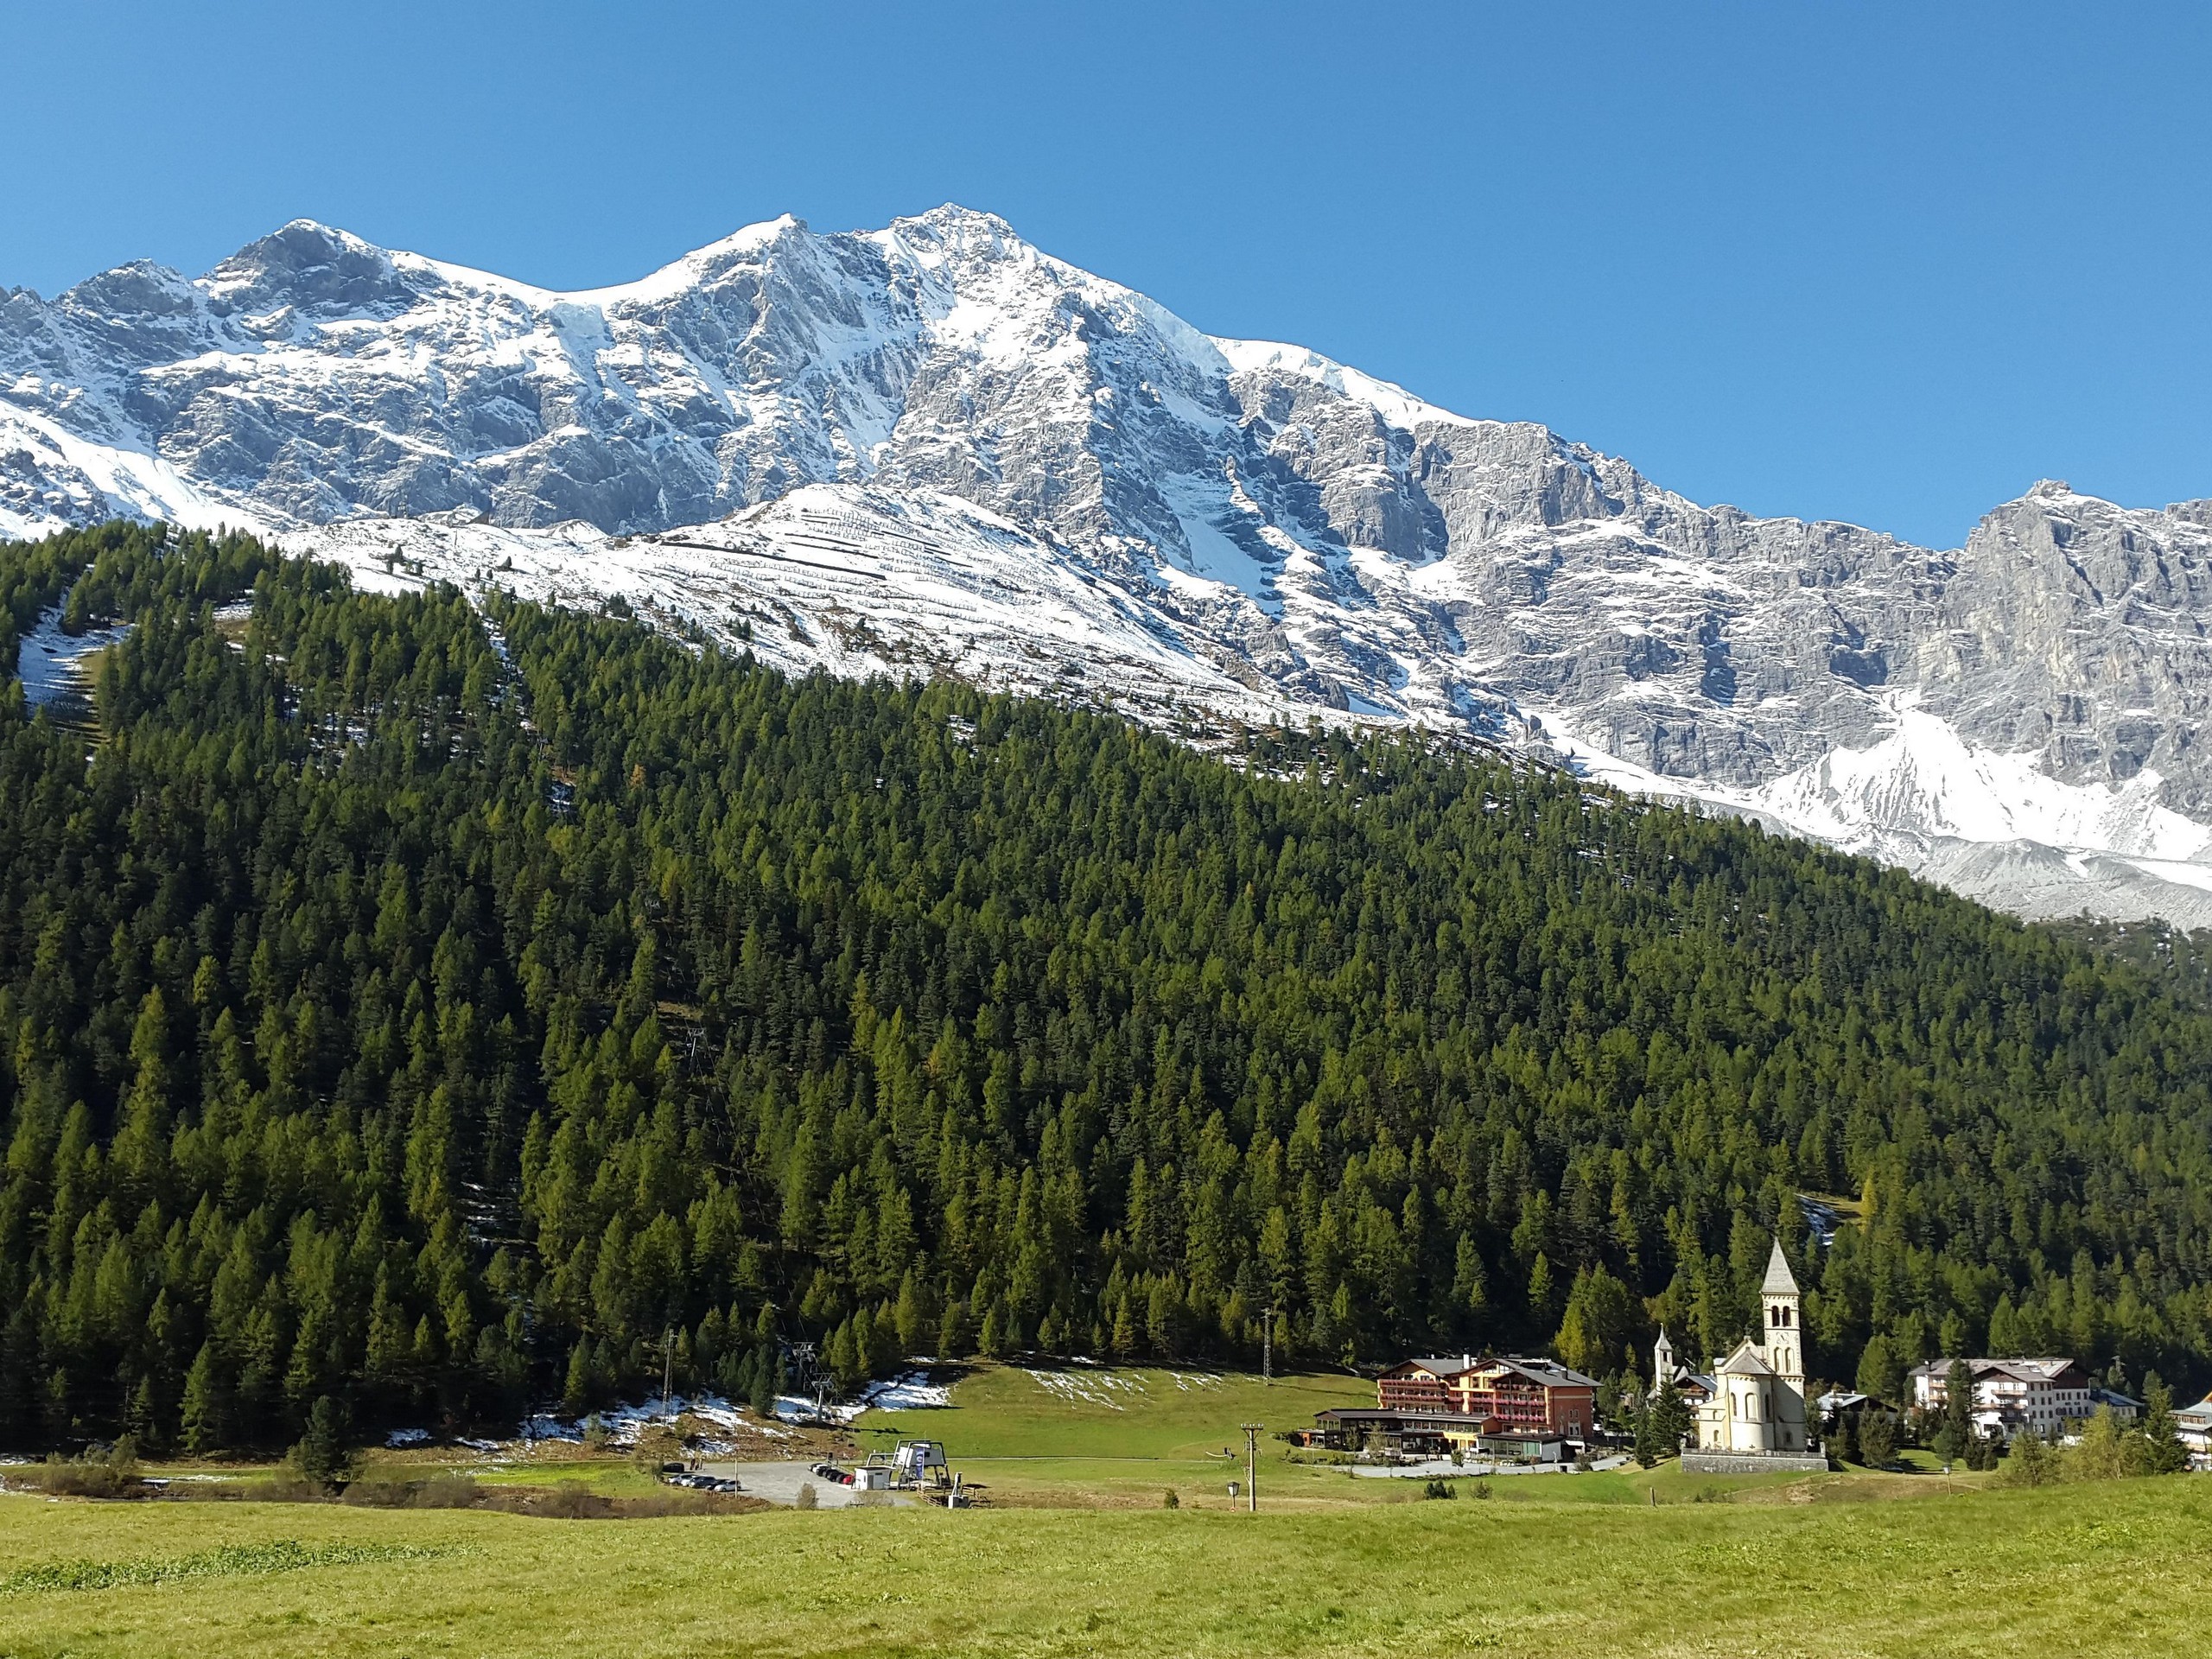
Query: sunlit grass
2101,1569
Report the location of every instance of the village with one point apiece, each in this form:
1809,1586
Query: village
1747,1412
939,1436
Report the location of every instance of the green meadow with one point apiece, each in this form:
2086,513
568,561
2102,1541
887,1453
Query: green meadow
1010,1411
2086,1570
1095,1437
1119,1435
1076,1555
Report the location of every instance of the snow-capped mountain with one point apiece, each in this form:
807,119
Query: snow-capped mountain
932,446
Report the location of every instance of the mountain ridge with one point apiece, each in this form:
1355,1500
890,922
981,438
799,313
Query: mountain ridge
1330,540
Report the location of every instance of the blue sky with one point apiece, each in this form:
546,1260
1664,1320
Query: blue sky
1888,264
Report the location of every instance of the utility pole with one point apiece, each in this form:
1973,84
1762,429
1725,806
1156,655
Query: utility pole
1267,1348
1252,1464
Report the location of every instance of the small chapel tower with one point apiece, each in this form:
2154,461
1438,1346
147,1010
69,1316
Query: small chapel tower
1662,1358
1783,1347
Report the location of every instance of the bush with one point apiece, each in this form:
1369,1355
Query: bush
2101,1452
2031,1463
444,1492
1169,1501
97,1472
807,1499
376,1494
653,1505
1440,1489
1482,1489
573,1501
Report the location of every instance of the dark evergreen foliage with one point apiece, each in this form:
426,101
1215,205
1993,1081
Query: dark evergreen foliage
431,1010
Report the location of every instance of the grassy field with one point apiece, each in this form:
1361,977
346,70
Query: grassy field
1007,1411
1122,1438
1078,1557
1119,1437
2085,1570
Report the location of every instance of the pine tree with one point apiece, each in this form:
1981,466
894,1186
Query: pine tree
1881,1373
579,1386
763,1400
1877,1438
912,1320
323,1455
1670,1418
1845,1445
1647,1446
1955,1430
1599,1312
1543,1295
206,1412
2167,1455
2029,1463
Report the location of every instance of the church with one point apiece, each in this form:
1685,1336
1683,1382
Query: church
1751,1418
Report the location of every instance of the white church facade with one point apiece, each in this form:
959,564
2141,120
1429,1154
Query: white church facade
1753,1417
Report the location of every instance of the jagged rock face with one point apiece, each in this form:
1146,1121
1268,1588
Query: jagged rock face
2077,628
1317,536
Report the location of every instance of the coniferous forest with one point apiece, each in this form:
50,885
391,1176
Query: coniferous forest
441,1007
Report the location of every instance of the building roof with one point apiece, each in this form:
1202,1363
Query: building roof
1779,1280
2028,1371
1549,1373
1745,1362
1439,1365
1546,1373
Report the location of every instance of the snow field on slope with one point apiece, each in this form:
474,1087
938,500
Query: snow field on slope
846,580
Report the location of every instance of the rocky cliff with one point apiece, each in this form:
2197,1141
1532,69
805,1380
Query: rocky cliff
2018,715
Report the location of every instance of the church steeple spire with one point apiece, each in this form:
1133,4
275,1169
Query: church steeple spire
1784,1343
1780,1281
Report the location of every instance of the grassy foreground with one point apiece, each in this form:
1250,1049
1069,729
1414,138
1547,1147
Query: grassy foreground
2086,1570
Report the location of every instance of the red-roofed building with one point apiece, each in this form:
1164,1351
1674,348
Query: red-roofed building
1516,1394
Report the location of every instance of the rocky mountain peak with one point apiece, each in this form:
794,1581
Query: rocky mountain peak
308,265
1268,517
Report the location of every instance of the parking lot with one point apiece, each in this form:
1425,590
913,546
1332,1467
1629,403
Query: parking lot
778,1482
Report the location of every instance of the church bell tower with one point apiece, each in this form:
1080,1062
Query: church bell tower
1783,1345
